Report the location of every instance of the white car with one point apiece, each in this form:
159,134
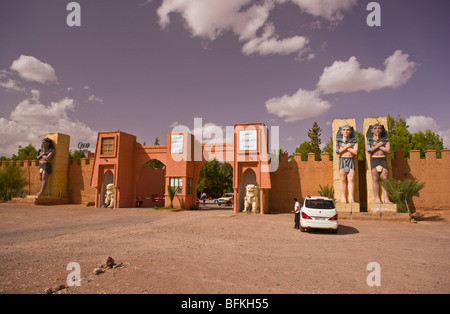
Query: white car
227,199
318,212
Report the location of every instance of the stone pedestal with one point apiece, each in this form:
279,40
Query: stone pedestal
41,200
348,208
375,208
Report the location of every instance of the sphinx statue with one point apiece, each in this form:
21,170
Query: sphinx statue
251,201
109,196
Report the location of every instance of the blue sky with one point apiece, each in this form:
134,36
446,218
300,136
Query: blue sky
146,66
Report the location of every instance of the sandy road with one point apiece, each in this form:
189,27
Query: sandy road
215,251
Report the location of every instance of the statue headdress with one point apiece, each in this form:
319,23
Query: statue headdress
340,138
383,136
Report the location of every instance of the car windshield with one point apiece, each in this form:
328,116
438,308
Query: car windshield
320,204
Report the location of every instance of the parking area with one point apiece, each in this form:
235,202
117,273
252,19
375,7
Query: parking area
216,251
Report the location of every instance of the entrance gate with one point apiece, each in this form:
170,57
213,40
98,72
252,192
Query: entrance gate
123,157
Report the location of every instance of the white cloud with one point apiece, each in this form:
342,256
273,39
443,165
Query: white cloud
446,137
300,106
12,85
269,44
245,18
31,112
423,123
347,76
94,98
31,120
342,77
330,10
32,69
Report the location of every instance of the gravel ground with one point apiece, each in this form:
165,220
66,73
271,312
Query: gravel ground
215,251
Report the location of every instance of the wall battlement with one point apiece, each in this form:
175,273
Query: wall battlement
292,179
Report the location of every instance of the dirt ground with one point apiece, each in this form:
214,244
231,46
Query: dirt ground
216,251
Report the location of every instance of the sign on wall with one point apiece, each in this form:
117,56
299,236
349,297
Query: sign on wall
248,140
176,146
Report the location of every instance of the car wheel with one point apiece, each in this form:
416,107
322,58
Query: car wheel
334,231
302,229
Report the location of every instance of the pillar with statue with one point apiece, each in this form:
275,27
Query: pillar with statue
378,163
53,158
345,165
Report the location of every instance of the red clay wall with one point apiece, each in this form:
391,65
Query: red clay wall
79,188
292,179
298,179
434,172
79,179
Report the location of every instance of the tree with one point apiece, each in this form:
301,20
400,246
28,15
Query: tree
11,181
215,179
427,141
77,154
361,144
329,148
155,163
156,141
399,136
25,153
304,148
402,140
314,136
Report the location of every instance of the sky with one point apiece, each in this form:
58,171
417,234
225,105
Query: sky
147,66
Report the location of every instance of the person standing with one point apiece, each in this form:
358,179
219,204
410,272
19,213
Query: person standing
297,214
204,198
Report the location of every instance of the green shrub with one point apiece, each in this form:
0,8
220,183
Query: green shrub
400,192
11,180
326,191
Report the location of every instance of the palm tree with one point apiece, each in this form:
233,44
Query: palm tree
400,192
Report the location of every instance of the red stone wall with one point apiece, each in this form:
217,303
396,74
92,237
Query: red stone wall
292,179
434,172
298,179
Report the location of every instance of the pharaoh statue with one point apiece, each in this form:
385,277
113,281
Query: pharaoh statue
44,156
109,196
251,202
347,149
379,148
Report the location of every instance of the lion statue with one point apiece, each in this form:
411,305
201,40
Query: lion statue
251,202
109,196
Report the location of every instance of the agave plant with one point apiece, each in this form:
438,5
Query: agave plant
172,192
400,192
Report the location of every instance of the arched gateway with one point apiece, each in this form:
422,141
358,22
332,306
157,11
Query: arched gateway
119,157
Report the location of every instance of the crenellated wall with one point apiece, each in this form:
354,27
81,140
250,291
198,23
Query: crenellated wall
292,179
434,172
79,177
79,180
298,179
